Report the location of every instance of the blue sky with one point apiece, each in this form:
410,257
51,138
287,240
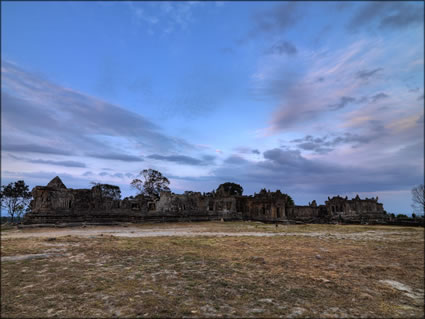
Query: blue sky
315,99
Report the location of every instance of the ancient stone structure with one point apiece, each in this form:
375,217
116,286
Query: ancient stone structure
55,203
266,206
355,210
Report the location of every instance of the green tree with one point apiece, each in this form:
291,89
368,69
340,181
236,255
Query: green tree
290,201
230,189
15,197
153,183
107,190
402,216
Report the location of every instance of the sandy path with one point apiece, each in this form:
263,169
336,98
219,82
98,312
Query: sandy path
127,232
120,231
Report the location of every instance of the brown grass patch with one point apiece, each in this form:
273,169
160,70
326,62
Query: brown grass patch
216,276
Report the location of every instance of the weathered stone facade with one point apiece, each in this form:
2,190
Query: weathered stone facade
355,210
55,203
266,206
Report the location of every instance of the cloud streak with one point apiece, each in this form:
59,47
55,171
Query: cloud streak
276,20
50,162
326,144
387,15
185,160
283,47
294,86
164,17
32,148
344,101
63,121
366,74
116,156
247,150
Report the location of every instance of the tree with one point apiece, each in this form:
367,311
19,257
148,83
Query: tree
402,216
153,183
290,201
230,189
418,198
15,197
107,191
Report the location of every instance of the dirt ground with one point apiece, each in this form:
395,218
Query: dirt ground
213,269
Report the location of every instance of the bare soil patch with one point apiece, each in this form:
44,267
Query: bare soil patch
238,270
215,229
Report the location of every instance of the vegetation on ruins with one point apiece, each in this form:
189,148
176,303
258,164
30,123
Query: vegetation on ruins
230,189
153,183
290,201
418,198
402,216
15,197
108,191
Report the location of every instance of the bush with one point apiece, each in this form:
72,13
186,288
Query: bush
402,216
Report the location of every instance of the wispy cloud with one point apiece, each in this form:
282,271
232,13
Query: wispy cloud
235,160
164,17
182,159
366,74
49,162
344,101
283,47
32,148
62,121
375,98
116,156
387,15
326,144
276,20
88,173
255,151
348,77
294,85
247,150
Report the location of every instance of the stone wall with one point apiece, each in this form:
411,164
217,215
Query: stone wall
266,206
303,213
356,210
55,203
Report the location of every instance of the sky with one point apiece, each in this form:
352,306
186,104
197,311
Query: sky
315,99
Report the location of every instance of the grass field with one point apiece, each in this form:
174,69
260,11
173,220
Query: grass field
328,271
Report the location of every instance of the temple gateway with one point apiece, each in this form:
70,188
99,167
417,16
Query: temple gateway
55,203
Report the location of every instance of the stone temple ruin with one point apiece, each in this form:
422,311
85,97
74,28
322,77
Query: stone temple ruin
55,203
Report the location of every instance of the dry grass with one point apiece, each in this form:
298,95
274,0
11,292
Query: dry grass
6,227
288,276
263,227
